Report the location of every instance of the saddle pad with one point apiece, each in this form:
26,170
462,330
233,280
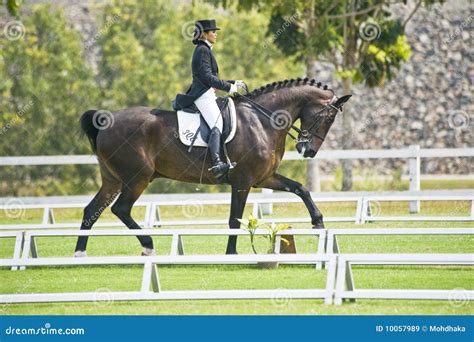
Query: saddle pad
188,124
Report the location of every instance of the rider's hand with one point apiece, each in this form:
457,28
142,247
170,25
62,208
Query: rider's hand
233,89
240,84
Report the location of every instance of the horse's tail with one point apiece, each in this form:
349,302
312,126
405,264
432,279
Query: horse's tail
88,127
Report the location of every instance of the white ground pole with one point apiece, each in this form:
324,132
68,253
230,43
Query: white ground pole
151,289
345,286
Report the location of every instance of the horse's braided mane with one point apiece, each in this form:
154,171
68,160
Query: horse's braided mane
285,84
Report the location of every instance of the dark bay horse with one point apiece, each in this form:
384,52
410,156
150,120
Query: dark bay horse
139,144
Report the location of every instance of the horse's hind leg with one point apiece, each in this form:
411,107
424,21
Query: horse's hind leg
123,208
279,182
92,211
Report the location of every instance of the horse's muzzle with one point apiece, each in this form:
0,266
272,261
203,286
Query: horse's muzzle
305,149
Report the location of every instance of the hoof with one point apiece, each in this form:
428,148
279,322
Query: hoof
148,252
80,254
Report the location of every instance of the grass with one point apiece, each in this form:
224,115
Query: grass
104,279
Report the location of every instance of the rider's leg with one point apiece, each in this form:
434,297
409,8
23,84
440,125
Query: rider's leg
207,105
210,111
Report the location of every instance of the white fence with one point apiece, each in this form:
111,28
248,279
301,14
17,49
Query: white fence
326,242
343,280
345,287
413,154
177,244
332,245
151,278
152,203
344,283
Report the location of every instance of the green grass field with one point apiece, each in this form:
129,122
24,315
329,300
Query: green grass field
126,278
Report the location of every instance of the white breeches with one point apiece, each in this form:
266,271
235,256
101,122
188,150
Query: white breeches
207,105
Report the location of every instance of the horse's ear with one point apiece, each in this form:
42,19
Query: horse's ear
340,101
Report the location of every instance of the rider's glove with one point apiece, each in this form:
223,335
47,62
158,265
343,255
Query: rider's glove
233,89
240,84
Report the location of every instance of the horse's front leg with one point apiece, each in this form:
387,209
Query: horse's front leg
237,206
279,182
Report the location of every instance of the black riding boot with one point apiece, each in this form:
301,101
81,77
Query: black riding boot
219,168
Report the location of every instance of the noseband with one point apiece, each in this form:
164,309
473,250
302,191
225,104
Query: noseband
306,136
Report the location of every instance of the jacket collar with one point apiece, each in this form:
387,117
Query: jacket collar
206,43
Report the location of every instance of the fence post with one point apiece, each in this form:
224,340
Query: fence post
313,180
414,166
266,208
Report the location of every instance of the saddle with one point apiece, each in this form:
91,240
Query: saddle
193,129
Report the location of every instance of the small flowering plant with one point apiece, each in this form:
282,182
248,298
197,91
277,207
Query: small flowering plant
252,224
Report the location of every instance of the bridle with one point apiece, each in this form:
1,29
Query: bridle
304,136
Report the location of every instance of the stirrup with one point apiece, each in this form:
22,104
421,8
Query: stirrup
220,169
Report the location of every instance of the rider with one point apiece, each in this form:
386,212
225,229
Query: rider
202,90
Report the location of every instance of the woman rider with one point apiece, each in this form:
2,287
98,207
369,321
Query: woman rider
202,90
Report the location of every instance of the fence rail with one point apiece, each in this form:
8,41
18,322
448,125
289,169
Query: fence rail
345,287
404,153
339,281
339,284
151,280
413,154
152,204
25,241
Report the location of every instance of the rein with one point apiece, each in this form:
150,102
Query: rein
305,134
265,112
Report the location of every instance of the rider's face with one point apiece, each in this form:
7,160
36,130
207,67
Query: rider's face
211,36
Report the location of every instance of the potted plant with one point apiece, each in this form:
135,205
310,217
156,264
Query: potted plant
252,224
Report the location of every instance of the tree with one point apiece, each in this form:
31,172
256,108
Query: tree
44,85
12,6
361,39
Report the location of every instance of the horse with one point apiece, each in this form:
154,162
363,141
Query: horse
140,144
